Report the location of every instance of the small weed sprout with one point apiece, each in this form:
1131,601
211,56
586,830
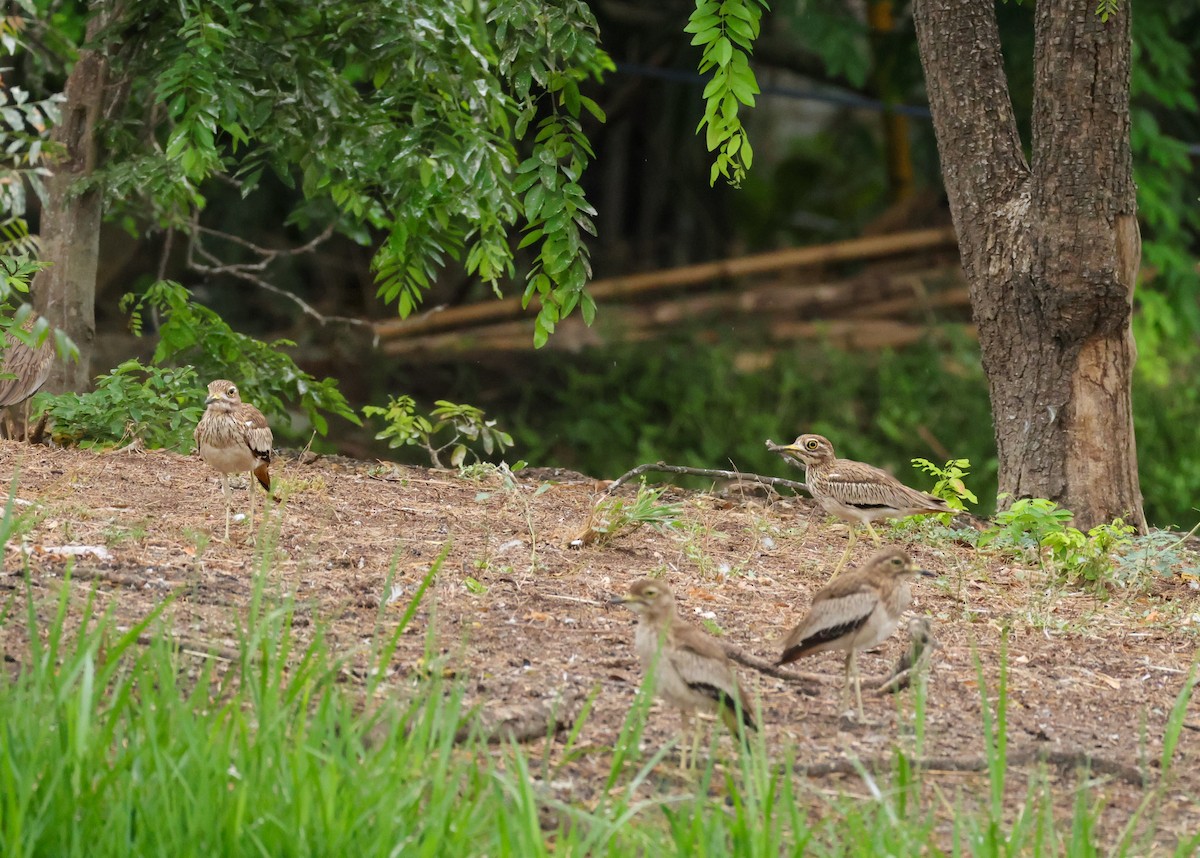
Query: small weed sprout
949,486
613,515
465,425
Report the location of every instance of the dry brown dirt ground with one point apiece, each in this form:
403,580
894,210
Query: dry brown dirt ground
524,618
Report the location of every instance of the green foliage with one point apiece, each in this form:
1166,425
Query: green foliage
157,406
1042,526
25,123
727,30
1165,116
557,211
949,486
1161,553
465,424
16,271
191,334
400,118
833,31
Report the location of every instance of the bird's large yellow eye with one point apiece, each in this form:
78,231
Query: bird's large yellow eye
232,391
811,444
897,562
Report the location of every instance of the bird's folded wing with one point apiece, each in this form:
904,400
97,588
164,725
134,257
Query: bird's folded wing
830,619
257,432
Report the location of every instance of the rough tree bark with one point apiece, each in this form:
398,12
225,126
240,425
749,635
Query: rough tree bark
1050,247
65,293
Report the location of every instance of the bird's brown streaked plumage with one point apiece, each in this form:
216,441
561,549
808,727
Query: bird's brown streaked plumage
29,365
857,611
232,437
855,491
691,669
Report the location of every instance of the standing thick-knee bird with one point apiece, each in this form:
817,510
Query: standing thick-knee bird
855,491
233,436
857,611
29,367
691,669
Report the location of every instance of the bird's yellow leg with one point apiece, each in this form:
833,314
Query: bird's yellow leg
685,739
857,686
228,502
871,530
845,554
250,489
845,702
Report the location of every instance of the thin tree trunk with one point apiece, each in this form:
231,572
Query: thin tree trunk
1050,251
65,293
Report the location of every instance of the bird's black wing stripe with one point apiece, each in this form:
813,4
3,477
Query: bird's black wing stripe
822,636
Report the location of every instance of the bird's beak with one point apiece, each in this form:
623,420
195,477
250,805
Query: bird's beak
212,397
627,599
782,448
926,573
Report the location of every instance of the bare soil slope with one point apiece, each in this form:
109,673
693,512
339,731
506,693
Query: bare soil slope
526,619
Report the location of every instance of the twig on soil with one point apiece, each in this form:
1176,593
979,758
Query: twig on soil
773,482
194,646
769,669
524,723
1061,759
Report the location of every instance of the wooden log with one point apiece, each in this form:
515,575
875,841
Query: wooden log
858,249
855,298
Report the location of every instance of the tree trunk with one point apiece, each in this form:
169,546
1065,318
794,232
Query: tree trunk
65,293
1050,249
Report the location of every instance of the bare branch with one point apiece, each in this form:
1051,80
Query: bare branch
204,261
773,482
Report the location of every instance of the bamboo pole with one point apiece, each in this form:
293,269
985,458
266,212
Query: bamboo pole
865,297
857,249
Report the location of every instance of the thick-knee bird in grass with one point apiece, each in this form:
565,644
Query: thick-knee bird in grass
692,671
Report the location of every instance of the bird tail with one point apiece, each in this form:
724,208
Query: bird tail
262,472
730,712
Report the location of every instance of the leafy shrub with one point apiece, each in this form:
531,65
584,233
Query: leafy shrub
614,515
191,334
1040,526
155,405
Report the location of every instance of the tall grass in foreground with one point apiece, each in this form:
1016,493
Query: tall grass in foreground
115,742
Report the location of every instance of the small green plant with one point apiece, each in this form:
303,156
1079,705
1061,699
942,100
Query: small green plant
1041,525
613,515
1161,552
464,424
949,486
1027,523
156,406
192,334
